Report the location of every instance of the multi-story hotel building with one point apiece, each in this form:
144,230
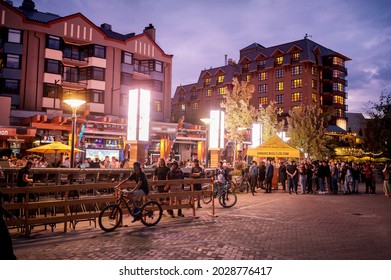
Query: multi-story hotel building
45,56
291,74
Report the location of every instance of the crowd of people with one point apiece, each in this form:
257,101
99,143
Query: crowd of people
322,177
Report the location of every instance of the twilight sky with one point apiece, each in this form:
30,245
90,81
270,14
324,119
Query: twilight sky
200,32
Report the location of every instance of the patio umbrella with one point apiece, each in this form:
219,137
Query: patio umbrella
54,147
382,159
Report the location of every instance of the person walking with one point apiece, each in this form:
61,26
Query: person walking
253,176
386,179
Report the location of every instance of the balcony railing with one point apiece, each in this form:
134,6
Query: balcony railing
142,69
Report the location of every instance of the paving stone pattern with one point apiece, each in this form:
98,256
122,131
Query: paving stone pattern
265,226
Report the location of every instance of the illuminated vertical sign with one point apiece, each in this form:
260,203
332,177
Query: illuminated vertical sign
216,129
138,115
256,135
222,129
143,126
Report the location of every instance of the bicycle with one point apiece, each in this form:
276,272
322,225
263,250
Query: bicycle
241,186
226,197
111,215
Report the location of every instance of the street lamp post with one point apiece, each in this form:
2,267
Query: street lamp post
75,103
206,121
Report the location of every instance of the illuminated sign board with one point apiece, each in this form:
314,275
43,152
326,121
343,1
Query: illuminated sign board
138,115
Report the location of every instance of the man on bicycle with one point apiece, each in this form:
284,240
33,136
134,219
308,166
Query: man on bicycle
141,188
221,174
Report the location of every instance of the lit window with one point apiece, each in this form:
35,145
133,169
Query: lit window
183,107
194,105
279,86
263,88
157,104
338,61
338,87
248,78
338,99
262,76
279,60
296,97
220,79
338,113
314,97
339,74
263,101
245,67
314,84
296,83
314,70
295,57
208,92
280,73
221,91
296,70
280,99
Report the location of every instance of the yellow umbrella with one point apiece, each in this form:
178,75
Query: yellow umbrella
54,147
382,159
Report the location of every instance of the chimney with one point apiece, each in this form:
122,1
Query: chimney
28,5
225,61
106,26
150,31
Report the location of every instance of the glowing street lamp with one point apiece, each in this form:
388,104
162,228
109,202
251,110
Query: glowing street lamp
75,101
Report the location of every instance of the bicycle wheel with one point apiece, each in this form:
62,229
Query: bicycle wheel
151,213
110,217
228,199
207,195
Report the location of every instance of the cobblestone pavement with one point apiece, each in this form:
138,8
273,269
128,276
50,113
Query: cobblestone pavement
264,226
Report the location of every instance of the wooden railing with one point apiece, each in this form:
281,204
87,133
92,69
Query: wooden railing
72,203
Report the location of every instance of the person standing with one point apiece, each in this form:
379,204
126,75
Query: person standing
282,175
334,177
269,176
386,179
291,171
197,173
321,177
308,168
368,173
23,180
261,174
253,176
161,174
302,178
175,174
